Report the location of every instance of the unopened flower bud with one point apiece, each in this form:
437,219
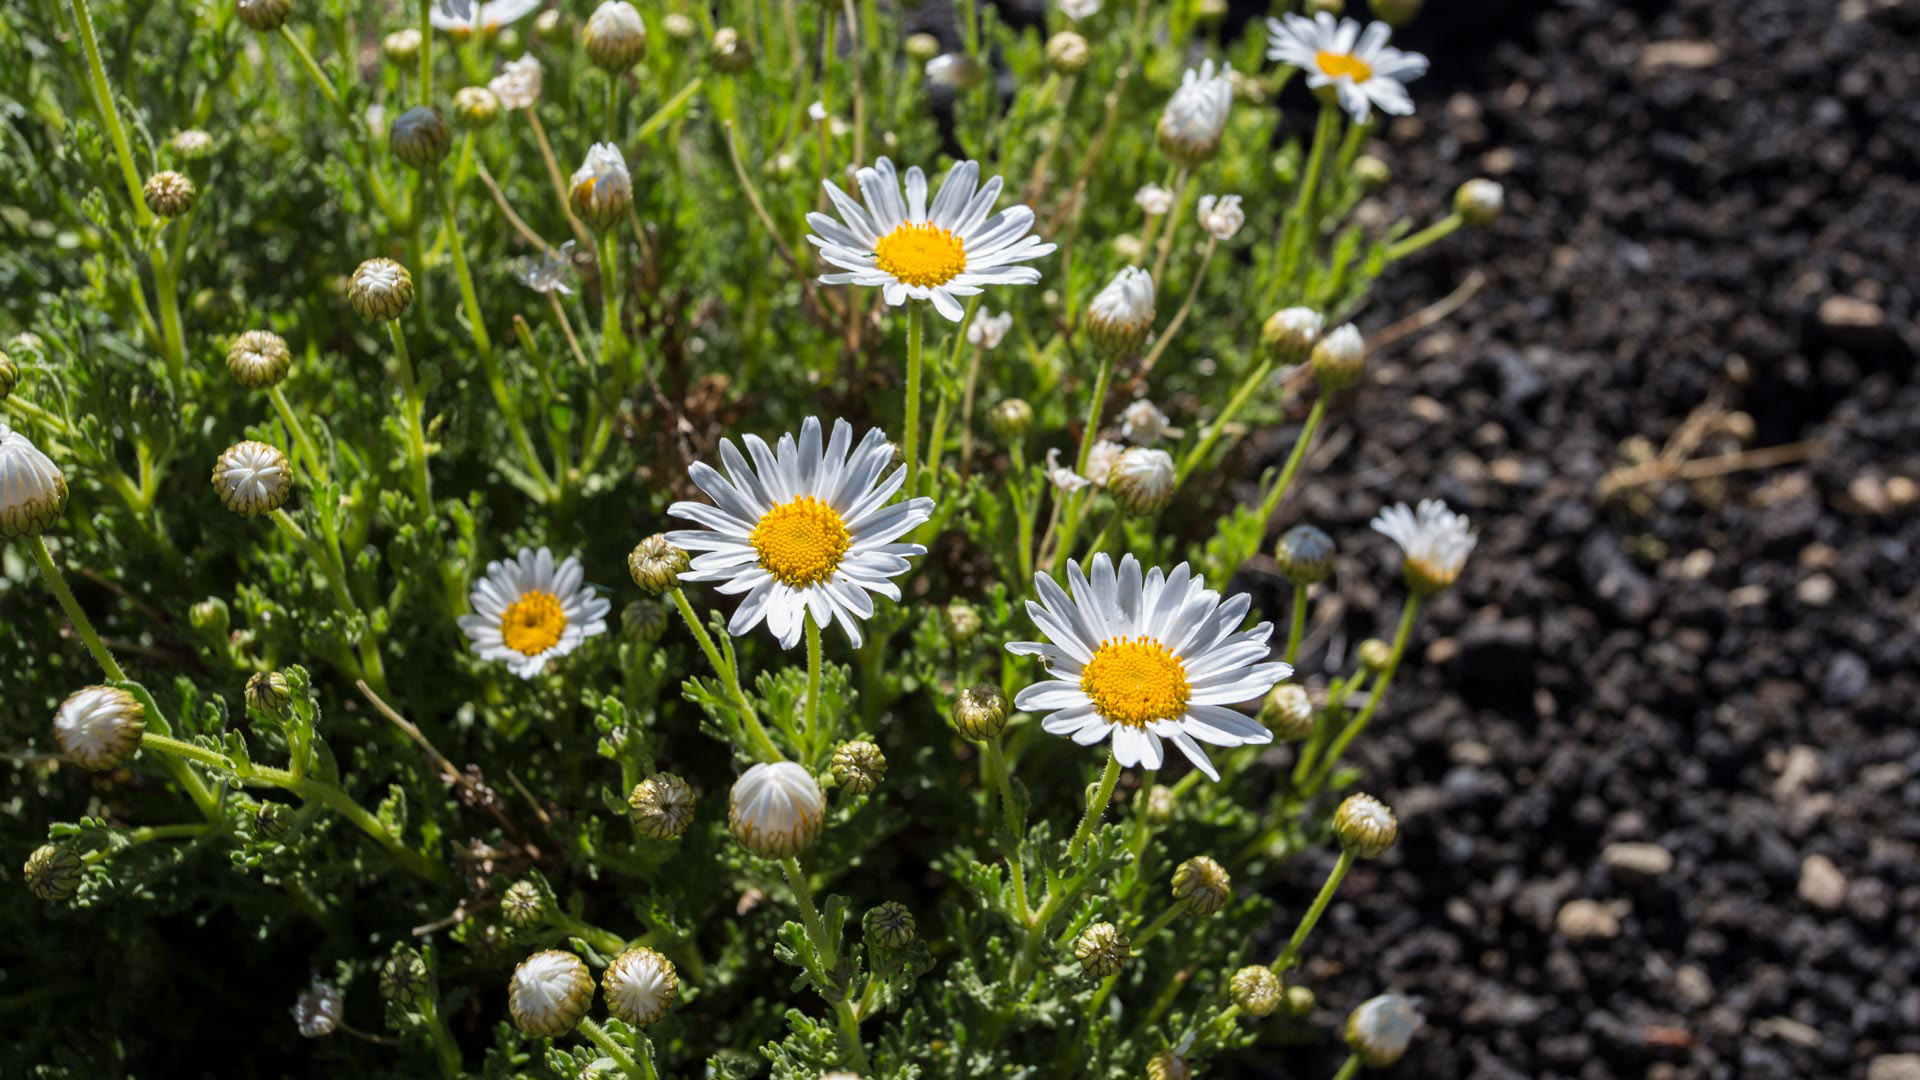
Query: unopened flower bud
168,193
640,985
272,820
210,617
549,26
269,694
1201,886
1375,654
404,978
1395,13
33,490
1256,990
99,727
1122,313
263,15
1167,1065
776,810
1288,712
9,375
1304,554
259,359
1331,7
656,565
727,52
1142,481
402,46
601,190
1102,949
890,925
192,144
380,290
1478,202
1161,803
615,37
858,766
679,27
1195,118
316,1012
475,108
550,993
1364,826
1289,334
1299,1000
53,872
253,478
1340,358
1068,52
1382,1028
524,905
662,806
1010,418
1371,172
922,46
420,137
980,712
954,71
645,620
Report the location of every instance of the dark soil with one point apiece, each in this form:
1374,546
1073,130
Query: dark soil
1710,203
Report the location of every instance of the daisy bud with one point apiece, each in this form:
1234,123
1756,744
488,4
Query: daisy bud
615,37
1288,712
252,478
1143,422
1221,215
776,810
1167,1065
1142,481
922,46
1201,886
99,727
858,766
1102,949
53,872
402,46
1305,555
1374,654
656,565
1289,334
1381,1029
890,925
1196,116
1434,543
168,193
1371,172
1299,1001
1122,313
191,144
268,694
209,616
1478,202
263,15
272,820
316,1012
678,27
475,108
1365,826
549,27
645,620
518,84
640,984
1396,13
524,905
420,137
550,993
963,621
601,190
1067,52
404,978
662,806
259,359
1340,358
1256,990
1331,7
980,712
1248,89
1161,803
9,375
954,71
33,490
1010,418
380,289
726,52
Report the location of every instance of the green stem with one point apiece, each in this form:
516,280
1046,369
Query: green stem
1299,623
1186,308
1300,444
415,406
812,728
1095,408
966,412
1349,1069
828,950
1175,217
762,743
1096,805
58,585
1359,723
315,463
166,292
912,435
444,1048
1016,833
313,70
1304,223
1157,925
109,115
941,411
1291,954
611,1047
426,48
146,835
1439,230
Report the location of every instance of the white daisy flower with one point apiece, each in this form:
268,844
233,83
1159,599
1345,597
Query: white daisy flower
988,331
1146,657
518,84
1101,458
1078,9
1153,199
1063,479
915,250
1221,215
1362,68
1196,115
1435,542
1143,422
457,17
805,529
529,611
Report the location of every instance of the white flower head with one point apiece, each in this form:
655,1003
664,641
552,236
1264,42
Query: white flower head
1142,480
1101,458
1479,201
550,992
640,984
518,84
1122,313
316,1012
1145,657
253,478
1382,1028
776,809
1063,478
99,726
1289,334
805,530
601,189
1196,115
549,272
1340,357
817,112
1434,542
913,249
953,71
528,610
988,331
1221,215
615,36
1153,199
457,17
1143,422
1078,9
33,490
1363,70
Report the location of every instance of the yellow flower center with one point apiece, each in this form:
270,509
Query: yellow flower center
1338,64
924,255
801,542
533,624
1135,681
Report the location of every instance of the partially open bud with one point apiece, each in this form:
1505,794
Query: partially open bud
263,15
727,52
259,359
550,993
402,46
210,617
1167,1065
1289,334
980,712
316,1012
269,694
1142,481
476,107
191,144
33,490
656,565
640,984
168,193
645,620
776,810
1288,712
1371,172
890,925
1382,1028
1220,215
858,766
922,46
1068,53
1122,313
679,27
272,820
662,806
380,290
53,872
1365,826
1196,116
615,36
420,137
253,478
1201,886
1142,422
954,71
601,190
549,26
99,727
1340,358
1478,202
1010,418
1256,990
1304,554
1374,654
1102,949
